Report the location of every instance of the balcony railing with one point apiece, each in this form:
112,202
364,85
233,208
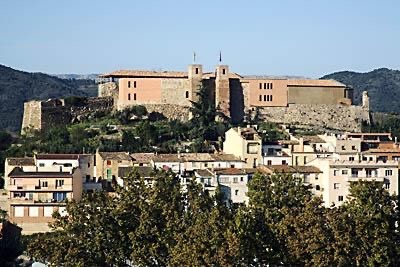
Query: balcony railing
31,201
365,178
39,188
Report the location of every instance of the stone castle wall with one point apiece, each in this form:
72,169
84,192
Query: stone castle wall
32,115
40,115
108,89
172,112
173,91
319,116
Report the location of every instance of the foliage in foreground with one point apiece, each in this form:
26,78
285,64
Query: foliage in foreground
282,225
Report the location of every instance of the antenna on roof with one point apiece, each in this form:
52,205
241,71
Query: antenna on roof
220,56
194,57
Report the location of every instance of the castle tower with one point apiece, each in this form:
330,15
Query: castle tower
365,100
195,75
222,93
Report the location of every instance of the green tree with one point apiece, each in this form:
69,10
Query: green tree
205,239
160,220
373,222
271,197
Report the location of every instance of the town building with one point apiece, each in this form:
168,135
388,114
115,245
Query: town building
244,143
35,195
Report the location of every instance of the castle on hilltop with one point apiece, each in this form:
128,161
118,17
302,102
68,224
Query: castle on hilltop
232,93
320,104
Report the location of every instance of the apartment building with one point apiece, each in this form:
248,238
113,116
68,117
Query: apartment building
35,195
339,174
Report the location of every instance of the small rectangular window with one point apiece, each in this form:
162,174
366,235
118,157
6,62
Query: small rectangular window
351,158
265,86
197,70
236,192
134,84
260,85
241,179
353,147
388,173
260,98
187,94
235,179
271,97
134,96
129,84
129,96
336,186
41,164
340,198
344,172
223,71
265,97
270,86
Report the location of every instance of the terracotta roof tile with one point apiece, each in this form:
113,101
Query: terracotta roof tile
27,161
145,73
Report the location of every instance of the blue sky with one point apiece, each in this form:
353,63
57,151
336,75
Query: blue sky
282,37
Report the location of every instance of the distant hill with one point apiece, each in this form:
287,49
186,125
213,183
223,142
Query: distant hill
16,87
383,86
76,76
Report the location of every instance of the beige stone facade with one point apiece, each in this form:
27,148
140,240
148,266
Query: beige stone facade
244,143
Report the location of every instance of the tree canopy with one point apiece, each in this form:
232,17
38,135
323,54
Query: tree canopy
164,225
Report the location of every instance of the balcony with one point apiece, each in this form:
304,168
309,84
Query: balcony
31,201
39,188
355,178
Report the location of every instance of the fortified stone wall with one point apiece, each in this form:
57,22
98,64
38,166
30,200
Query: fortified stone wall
42,114
91,105
172,112
108,89
32,115
173,91
323,117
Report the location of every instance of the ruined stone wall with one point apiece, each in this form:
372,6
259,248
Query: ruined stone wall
172,112
32,115
324,117
91,106
40,115
108,89
173,91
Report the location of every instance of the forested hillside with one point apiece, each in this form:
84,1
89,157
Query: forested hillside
16,87
383,86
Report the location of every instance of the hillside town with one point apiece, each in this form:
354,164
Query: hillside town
158,154
40,185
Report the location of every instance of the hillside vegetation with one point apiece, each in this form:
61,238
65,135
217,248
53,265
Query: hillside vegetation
16,87
383,86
